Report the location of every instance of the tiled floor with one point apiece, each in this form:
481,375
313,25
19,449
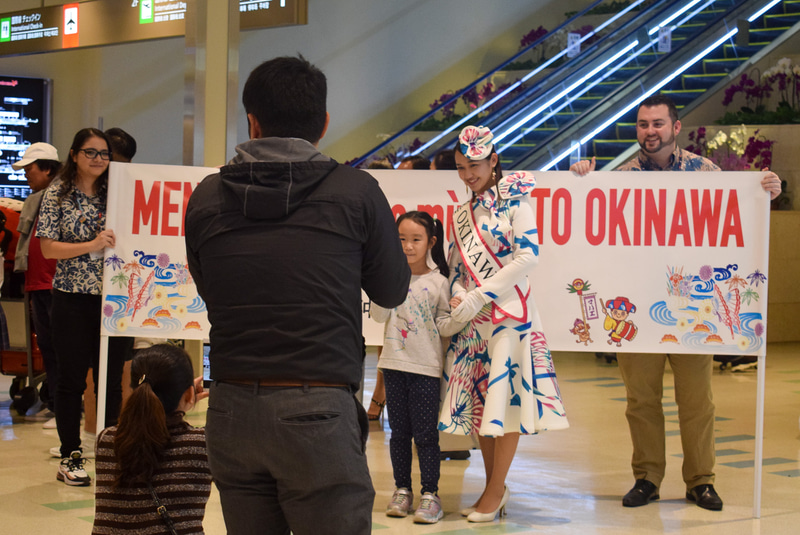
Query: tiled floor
564,482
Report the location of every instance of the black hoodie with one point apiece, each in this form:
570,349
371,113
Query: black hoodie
279,243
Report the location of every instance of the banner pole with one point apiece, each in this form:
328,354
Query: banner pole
762,372
102,384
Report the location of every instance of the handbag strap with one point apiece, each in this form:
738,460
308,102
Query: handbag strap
162,511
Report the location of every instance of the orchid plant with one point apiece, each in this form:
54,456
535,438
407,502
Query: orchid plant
735,151
783,78
452,112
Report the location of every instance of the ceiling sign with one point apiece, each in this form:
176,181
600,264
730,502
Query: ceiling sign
107,22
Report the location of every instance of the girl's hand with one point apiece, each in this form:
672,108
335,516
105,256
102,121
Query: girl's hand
199,391
105,239
469,308
454,302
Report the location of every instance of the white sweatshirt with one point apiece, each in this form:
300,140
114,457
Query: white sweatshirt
412,338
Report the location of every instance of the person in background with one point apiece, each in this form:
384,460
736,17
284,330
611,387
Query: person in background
414,162
502,383
412,363
378,401
379,164
280,243
444,160
12,284
153,453
657,128
72,231
9,220
41,165
123,145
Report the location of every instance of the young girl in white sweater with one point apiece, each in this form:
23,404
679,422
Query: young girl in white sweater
411,363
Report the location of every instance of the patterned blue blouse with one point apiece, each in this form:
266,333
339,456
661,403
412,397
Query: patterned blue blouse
78,218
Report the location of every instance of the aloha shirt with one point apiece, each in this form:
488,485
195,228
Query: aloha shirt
77,218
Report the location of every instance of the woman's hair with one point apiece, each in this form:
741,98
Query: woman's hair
159,377
434,229
69,173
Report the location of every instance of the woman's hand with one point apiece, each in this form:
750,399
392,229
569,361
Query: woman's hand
105,239
454,302
472,304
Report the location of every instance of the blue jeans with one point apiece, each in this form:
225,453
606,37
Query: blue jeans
289,459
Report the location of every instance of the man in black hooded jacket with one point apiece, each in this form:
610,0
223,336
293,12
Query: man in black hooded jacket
280,243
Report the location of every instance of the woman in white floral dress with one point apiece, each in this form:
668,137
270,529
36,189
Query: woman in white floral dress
501,380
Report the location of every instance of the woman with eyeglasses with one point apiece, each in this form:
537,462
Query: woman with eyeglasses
72,230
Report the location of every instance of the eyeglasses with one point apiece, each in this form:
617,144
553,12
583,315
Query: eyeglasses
94,153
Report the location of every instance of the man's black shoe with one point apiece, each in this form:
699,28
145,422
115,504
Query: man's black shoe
642,493
706,497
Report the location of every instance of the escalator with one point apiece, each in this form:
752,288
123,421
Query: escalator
587,106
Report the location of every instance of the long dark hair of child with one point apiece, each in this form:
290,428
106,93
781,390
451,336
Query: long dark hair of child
434,229
69,173
159,377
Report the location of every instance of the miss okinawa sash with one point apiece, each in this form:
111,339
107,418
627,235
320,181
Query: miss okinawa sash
483,264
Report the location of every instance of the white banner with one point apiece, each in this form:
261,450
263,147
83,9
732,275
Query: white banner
147,288
633,262
628,262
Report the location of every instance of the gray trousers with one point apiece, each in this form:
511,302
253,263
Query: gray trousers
289,459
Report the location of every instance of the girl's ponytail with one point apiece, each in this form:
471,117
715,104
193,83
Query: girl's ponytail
437,252
141,436
160,375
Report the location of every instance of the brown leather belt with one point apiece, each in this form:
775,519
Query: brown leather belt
283,383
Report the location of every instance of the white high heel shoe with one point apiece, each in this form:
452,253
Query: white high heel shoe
475,516
469,510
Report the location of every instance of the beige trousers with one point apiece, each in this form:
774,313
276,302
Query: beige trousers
643,374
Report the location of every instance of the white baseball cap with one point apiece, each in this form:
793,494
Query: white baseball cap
37,151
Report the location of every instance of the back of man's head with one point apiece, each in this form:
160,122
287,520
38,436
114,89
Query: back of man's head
123,146
445,160
661,100
415,162
287,97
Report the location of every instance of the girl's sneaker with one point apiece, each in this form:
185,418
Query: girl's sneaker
429,510
401,503
71,470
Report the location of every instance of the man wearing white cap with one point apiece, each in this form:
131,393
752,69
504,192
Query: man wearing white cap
41,165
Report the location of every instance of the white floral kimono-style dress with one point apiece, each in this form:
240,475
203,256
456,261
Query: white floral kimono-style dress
499,370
